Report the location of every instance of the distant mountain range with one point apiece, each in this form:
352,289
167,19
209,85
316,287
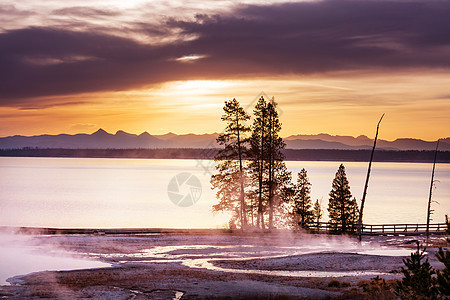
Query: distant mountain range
326,141
123,140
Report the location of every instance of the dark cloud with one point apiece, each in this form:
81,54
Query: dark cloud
329,35
250,41
39,62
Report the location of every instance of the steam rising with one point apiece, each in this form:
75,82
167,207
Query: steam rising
23,254
282,253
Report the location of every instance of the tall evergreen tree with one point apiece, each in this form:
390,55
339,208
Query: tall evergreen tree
257,164
302,200
267,165
342,208
278,173
230,180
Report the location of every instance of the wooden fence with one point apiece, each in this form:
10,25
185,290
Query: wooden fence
381,229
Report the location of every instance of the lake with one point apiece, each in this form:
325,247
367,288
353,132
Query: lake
129,193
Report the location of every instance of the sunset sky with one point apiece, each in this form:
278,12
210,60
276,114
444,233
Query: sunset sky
334,66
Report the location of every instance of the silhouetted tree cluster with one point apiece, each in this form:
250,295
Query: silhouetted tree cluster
267,169
251,169
342,207
253,183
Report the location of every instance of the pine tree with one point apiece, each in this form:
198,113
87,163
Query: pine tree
302,200
278,176
317,212
443,277
230,180
418,281
269,172
342,209
257,155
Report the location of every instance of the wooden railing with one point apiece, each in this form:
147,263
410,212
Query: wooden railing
381,229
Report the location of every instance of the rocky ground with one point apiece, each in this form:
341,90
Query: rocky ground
190,266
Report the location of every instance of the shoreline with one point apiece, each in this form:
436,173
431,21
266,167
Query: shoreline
29,230
395,156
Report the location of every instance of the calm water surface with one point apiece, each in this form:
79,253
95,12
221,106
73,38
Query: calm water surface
91,192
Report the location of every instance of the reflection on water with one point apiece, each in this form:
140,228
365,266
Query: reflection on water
112,193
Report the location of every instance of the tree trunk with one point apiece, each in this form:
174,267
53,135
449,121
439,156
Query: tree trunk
260,219
271,166
363,200
431,191
241,177
342,210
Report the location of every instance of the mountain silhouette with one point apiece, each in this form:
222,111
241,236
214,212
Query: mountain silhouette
124,140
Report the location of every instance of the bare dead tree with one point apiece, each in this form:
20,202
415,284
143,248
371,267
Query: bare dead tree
429,210
363,200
